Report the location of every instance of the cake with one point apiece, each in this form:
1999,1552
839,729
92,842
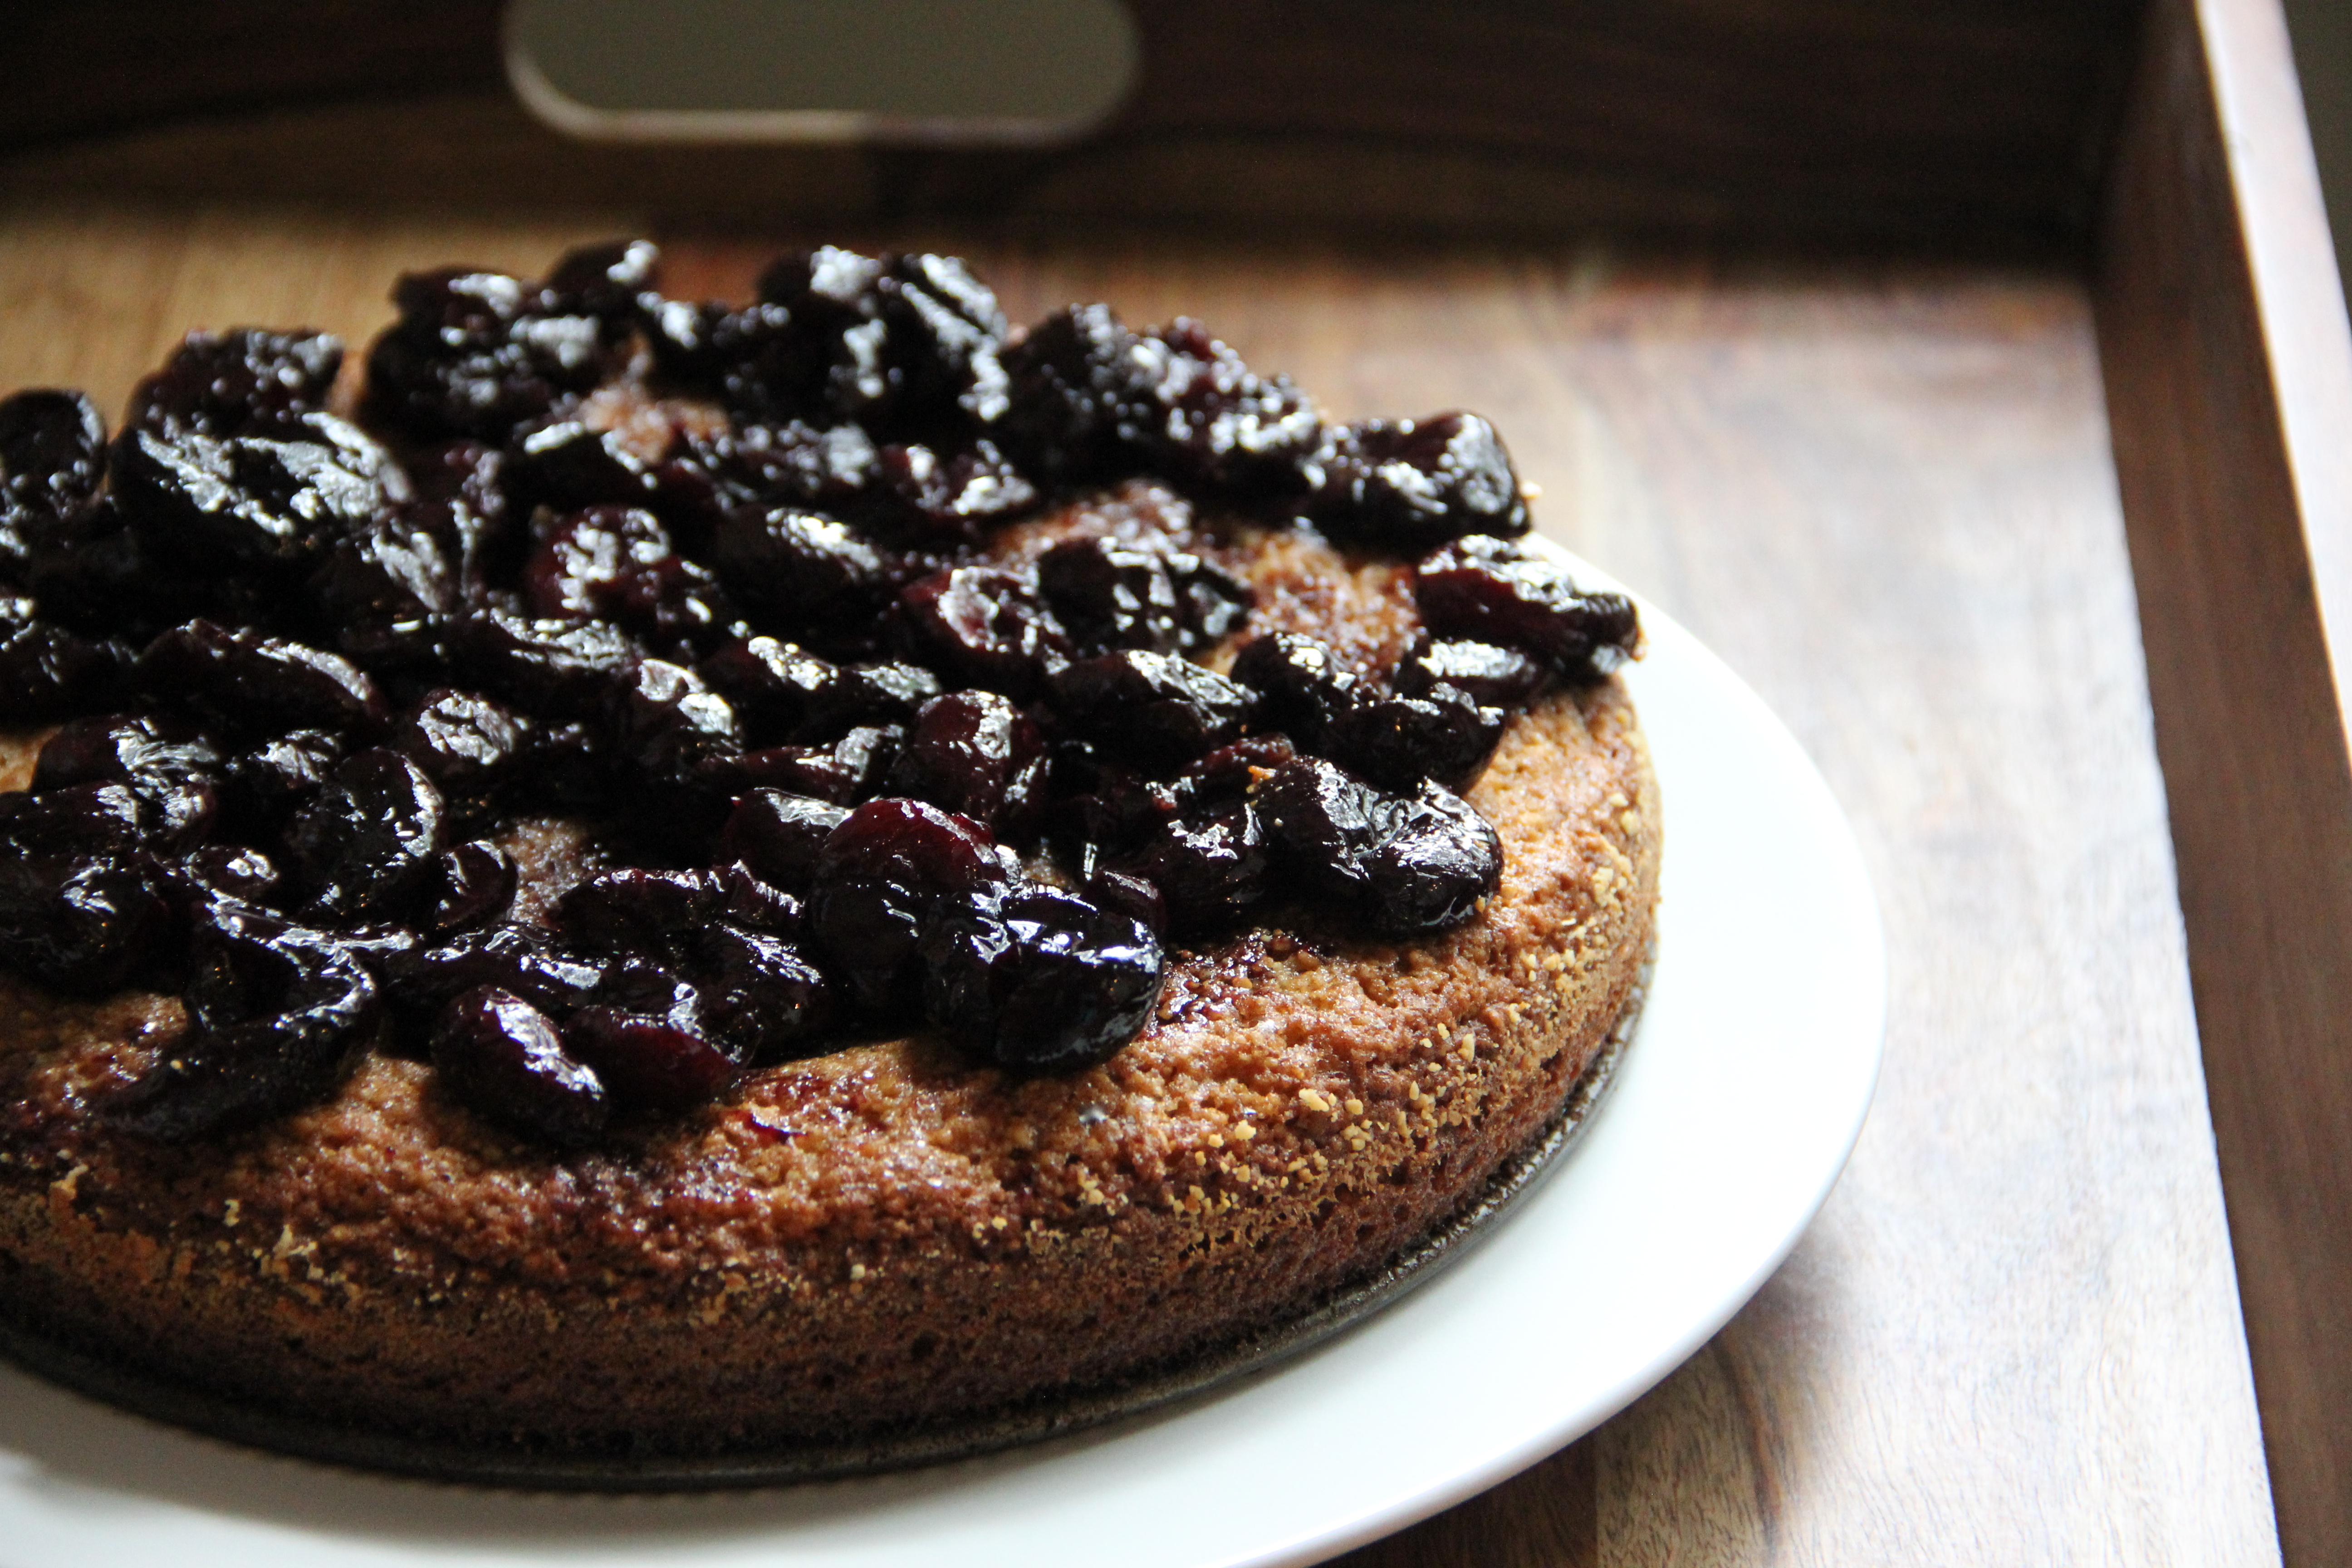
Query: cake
665,881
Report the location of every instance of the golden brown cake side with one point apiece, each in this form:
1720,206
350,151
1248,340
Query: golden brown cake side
872,1238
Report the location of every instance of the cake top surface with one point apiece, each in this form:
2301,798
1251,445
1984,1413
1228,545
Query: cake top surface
606,694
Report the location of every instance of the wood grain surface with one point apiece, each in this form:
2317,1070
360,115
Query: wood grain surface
1968,121
1883,493
2229,379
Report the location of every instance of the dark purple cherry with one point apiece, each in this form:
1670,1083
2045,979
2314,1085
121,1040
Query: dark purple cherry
498,1054
393,569
1302,686
1112,595
601,280
834,470
76,820
946,499
904,337
217,507
667,722
1039,980
1210,863
782,692
124,747
881,877
1158,711
1323,822
760,999
236,382
844,773
635,909
475,886
52,456
477,354
1437,860
46,671
1414,483
979,756
469,745
1397,742
1193,403
1232,769
648,1062
617,563
759,361
366,845
280,1012
804,570
77,923
245,681
986,626
564,668
1492,676
568,465
1068,386
262,787
524,960
1492,591
780,836
230,871
1124,893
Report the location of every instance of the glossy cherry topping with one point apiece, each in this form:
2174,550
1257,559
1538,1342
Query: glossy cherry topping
725,589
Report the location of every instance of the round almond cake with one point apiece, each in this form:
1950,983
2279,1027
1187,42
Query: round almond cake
662,879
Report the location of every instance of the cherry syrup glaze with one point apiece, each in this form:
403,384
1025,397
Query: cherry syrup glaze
846,770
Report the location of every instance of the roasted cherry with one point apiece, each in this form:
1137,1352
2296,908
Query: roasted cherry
1301,685
1397,742
782,692
469,745
903,337
760,998
522,959
279,1011
46,671
475,885
1492,591
979,756
647,1061
780,836
1491,675
501,1056
237,382
985,625
1437,860
477,354
216,507
1414,483
1039,980
567,667
243,679
882,874
52,456
262,787
1158,710
804,570
365,845
78,923
1111,595
1209,864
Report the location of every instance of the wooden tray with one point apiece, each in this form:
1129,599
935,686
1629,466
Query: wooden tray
1973,373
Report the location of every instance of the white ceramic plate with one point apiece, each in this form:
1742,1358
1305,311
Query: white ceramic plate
1738,1100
